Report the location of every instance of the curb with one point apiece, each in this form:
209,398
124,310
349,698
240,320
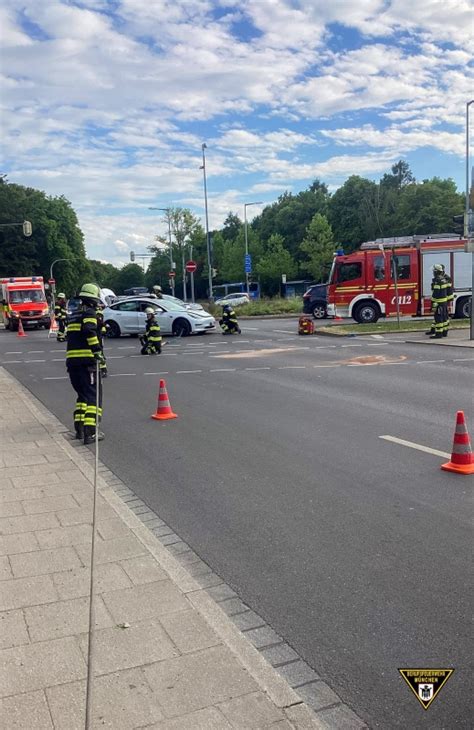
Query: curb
291,684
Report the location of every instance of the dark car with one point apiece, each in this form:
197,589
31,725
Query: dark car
315,301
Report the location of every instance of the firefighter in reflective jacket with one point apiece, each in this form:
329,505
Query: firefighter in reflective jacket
83,352
60,314
229,323
441,294
101,333
151,341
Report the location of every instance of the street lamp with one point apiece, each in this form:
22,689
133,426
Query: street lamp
208,240
246,205
466,218
167,211
53,286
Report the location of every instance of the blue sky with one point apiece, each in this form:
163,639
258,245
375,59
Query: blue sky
109,101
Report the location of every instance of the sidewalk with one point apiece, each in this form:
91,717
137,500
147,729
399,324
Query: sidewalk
455,338
167,654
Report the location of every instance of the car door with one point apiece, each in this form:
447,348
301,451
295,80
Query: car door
164,319
127,317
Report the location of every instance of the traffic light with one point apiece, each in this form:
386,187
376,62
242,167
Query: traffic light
27,228
458,226
132,255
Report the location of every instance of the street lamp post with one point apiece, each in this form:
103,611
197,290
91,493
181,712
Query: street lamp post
466,218
53,286
167,211
208,240
246,205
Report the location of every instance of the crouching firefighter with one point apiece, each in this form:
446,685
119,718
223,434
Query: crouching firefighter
151,340
83,354
60,314
229,323
101,333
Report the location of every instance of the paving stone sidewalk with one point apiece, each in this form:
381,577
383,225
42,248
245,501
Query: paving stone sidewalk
166,655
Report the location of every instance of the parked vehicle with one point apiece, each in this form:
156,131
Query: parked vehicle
127,317
193,306
366,284
135,290
25,300
315,301
235,300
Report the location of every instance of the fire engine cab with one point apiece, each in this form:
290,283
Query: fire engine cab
23,298
366,284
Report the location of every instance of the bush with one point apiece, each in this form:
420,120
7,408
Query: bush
263,306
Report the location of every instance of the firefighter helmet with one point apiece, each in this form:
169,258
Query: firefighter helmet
227,308
157,287
438,269
90,292
61,295
149,310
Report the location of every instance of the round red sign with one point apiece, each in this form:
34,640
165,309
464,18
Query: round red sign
51,281
191,266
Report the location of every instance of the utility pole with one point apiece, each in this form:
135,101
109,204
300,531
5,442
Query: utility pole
208,239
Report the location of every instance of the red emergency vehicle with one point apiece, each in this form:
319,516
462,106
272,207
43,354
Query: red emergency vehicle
365,284
23,297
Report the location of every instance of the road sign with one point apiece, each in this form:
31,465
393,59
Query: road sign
248,263
191,266
51,281
172,274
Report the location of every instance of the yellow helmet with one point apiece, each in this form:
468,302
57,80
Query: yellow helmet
61,295
91,292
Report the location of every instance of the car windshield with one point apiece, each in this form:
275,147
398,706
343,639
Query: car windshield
172,306
23,296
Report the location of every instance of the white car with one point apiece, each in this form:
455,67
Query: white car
235,300
193,306
127,317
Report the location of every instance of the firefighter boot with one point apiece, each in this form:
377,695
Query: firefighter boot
79,430
437,336
89,435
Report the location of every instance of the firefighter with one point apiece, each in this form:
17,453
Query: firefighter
229,323
441,293
83,352
151,341
101,333
60,314
157,291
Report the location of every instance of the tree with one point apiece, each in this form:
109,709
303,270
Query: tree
129,276
232,227
56,235
105,275
427,207
275,261
350,214
401,176
184,225
318,244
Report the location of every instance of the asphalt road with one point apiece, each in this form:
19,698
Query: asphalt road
353,548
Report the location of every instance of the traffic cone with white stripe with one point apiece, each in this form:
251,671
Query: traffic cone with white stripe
21,331
163,408
53,326
462,458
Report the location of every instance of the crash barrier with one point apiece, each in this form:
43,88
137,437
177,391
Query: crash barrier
462,458
163,408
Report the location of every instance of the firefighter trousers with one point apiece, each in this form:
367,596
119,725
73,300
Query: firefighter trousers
441,320
61,335
83,380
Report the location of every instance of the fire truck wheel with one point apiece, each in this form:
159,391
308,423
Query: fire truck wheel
463,308
366,313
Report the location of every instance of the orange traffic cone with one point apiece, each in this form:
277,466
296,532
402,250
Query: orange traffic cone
53,327
163,408
462,458
21,331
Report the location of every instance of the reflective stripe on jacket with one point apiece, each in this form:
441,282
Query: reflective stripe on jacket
82,340
153,331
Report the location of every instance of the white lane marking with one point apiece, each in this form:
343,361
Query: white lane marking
378,337
293,367
57,350
10,362
162,372
170,354
284,332
223,370
264,368
57,359
14,352
412,445
119,375
136,355
324,347
128,347
186,372
252,328
35,360
423,362
351,345
35,352
376,344
193,352
326,366
463,359
62,377
115,357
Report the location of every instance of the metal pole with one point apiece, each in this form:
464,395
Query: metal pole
208,240
247,286
171,251
184,274
395,281
466,218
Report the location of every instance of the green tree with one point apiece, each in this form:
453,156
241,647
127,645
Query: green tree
232,227
427,207
351,215
401,176
184,227
129,276
318,244
105,275
56,235
276,261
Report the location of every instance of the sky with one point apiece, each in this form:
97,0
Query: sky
108,102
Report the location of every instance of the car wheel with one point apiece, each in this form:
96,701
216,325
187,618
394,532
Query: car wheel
366,313
181,328
319,311
113,330
463,308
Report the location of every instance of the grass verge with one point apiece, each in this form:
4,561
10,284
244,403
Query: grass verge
384,326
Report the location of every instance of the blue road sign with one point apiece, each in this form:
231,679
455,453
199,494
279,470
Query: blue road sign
248,263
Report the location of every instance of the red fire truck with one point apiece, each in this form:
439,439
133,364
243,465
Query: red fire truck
365,284
23,297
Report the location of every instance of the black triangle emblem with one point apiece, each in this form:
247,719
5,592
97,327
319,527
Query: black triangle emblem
426,683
